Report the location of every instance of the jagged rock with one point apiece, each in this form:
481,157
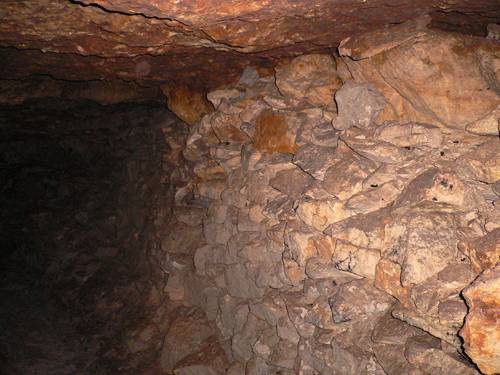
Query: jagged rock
391,58
317,269
428,324
358,260
319,214
480,332
183,239
389,337
375,198
388,279
189,105
217,96
245,337
358,105
363,230
345,178
422,242
240,284
424,352
314,160
292,182
190,215
227,128
378,151
358,300
301,246
439,297
312,78
484,252
482,162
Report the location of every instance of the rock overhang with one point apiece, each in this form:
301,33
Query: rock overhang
205,44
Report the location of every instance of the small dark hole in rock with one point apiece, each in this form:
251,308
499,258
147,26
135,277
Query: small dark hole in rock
434,199
442,153
374,185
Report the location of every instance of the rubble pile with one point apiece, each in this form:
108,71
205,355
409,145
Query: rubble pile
341,217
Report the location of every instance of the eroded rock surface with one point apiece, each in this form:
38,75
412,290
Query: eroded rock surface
344,245
339,216
141,45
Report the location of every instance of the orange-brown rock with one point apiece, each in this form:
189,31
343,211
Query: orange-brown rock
481,332
205,42
188,104
312,78
485,251
388,279
272,135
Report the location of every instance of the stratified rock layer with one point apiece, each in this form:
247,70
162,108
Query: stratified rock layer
200,43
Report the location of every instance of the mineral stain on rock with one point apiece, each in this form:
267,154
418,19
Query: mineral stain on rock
272,134
226,187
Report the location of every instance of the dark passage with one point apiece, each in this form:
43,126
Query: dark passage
78,187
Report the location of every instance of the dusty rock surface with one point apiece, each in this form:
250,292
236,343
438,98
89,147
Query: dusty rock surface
339,216
141,44
345,244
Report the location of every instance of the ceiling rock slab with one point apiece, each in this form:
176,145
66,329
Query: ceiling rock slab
205,43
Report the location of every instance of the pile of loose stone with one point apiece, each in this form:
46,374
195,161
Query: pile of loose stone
341,217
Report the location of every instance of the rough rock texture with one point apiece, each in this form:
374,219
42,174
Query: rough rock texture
336,243
481,331
407,65
201,43
339,216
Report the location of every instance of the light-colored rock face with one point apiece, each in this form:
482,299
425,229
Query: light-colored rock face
205,43
481,332
341,243
417,71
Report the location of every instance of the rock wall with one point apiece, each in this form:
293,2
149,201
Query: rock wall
335,216
86,192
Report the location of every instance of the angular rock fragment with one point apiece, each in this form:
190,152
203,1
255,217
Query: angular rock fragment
319,214
481,333
314,160
392,58
484,252
358,105
424,352
292,182
312,78
189,105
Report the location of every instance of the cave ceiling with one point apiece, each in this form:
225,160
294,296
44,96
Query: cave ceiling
205,43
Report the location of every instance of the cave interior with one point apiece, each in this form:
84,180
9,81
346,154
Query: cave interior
250,187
